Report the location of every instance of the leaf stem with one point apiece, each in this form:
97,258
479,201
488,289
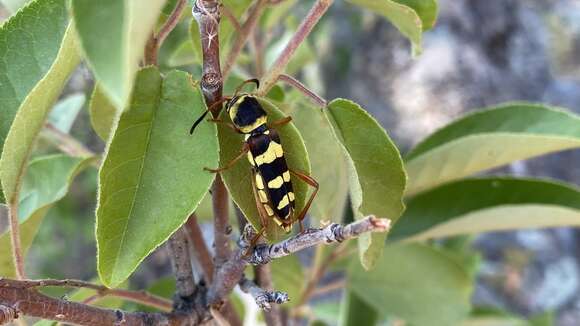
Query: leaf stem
316,12
17,256
156,40
318,100
134,296
181,262
246,30
200,249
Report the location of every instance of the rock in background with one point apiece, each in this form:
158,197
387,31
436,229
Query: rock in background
480,53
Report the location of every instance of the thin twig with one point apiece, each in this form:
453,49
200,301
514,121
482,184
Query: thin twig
27,301
156,40
219,318
17,255
263,298
67,143
171,22
181,262
135,296
317,99
230,16
245,32
207,15
303,31
231,272
200,249
324,289
319,271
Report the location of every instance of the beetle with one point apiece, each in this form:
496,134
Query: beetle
271,183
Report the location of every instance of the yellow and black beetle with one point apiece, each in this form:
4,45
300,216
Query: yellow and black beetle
273,189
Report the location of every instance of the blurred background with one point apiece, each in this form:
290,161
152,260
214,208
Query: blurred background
480,53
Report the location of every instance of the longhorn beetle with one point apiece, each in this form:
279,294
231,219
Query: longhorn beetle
271,182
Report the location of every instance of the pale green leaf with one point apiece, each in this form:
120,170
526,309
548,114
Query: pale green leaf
426,9
329,167
65,112
31,116
47,180
404,18
376,174
417,283
488,139
354,311
488,204
152,177
27,55
237,179
113,34
102,113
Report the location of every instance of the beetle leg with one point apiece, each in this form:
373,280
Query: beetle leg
231,163
225,123
311,182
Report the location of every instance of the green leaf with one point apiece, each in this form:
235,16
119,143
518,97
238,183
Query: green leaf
355,311
32,115
321,144
65,112
417,283
376,174
404,18
238,178
488,204
113,34
288,276
426,9
47,181
488,139
152,177
27,55
102,112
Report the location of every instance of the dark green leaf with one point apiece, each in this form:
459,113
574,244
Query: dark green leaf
152,177
488,139
376,176
488,204
417,283
237,178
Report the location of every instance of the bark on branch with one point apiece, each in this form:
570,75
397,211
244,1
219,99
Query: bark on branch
24,300
230,273
262,297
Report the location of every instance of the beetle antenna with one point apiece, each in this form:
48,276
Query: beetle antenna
197,122
210,109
